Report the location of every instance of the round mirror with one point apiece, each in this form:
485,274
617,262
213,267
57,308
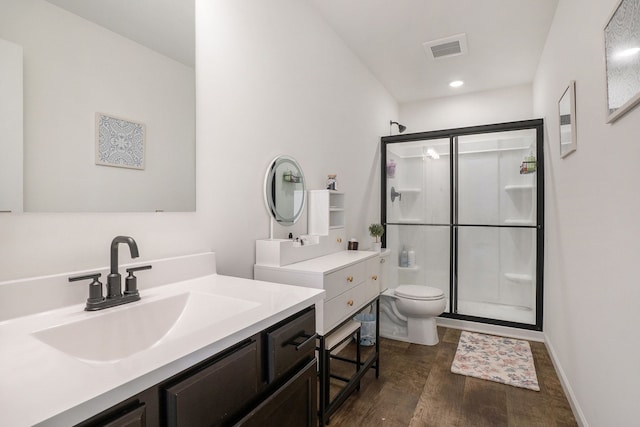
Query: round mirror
284,187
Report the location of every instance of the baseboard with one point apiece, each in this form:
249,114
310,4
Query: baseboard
485,328
568,391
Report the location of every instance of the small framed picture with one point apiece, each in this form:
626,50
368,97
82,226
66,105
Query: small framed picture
622,59
119,142
567,120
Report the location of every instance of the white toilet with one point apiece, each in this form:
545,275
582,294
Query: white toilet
418,306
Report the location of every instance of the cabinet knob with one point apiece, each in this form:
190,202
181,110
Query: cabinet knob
350,302
349,279
339,240
374,277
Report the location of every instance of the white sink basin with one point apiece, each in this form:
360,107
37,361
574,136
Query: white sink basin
114,334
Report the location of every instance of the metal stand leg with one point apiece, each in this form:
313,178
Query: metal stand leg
321,376
327,381
377,337
358,363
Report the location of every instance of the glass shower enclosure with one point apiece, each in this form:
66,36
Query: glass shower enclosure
463,211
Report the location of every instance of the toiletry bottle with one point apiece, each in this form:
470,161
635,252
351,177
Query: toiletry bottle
404,258
411,258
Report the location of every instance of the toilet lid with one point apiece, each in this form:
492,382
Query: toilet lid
419,292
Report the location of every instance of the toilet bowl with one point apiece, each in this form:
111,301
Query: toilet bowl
418,306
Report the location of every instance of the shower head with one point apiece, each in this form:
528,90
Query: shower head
401,128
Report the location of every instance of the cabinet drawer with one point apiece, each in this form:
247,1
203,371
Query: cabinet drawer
292,405
345,305
216,393
373,271
344,279
134,418
291,345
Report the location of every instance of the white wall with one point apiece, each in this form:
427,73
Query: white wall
271,79
11,126
479,108
592,227
274,79
74,69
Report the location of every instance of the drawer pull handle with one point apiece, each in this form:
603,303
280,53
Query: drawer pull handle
374,277
349,279
308,339
339,240
350,303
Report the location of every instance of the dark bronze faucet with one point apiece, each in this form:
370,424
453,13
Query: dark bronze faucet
114,280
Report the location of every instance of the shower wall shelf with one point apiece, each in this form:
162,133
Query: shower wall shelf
519,278
414,268
407,221
518,187
409,190
515,221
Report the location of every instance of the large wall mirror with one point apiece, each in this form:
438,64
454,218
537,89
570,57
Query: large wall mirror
284,190
132,60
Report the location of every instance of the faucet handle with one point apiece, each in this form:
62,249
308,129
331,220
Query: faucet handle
95,288
134,269
131,281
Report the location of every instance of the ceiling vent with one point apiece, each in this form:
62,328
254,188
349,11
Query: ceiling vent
446,47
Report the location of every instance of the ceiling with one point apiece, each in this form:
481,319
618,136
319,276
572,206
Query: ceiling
505,39
166,26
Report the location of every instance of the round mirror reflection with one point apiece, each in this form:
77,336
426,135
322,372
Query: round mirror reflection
284,190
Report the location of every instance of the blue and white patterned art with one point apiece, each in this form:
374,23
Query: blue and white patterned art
119,142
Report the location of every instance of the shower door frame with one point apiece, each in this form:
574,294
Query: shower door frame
452,135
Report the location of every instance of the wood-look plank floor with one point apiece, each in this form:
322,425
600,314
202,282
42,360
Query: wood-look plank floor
416,388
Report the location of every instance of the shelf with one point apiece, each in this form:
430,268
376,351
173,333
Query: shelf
326,211
519,278
414,268
407,221
514,221
519,187
409,190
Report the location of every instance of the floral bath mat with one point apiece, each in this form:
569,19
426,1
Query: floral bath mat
500,359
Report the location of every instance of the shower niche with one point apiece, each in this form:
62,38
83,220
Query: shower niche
469,203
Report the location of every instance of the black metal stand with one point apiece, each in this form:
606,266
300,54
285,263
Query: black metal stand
326,405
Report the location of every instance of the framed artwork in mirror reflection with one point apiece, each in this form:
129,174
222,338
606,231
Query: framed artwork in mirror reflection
622,59
119,142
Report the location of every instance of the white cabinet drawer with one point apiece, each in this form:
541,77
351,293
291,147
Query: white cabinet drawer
347,304
373,271
339,281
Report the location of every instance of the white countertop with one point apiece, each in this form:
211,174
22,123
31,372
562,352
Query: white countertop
328,263
45,386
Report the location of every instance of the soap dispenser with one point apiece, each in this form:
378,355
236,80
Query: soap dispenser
404,258
411,259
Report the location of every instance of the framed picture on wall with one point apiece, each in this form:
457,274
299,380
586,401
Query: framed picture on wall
622,57
567,120
119,142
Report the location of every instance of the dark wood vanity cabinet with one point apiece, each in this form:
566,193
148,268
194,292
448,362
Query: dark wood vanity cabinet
217,393
269,379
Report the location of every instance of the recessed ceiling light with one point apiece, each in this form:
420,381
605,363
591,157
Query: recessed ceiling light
456,83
